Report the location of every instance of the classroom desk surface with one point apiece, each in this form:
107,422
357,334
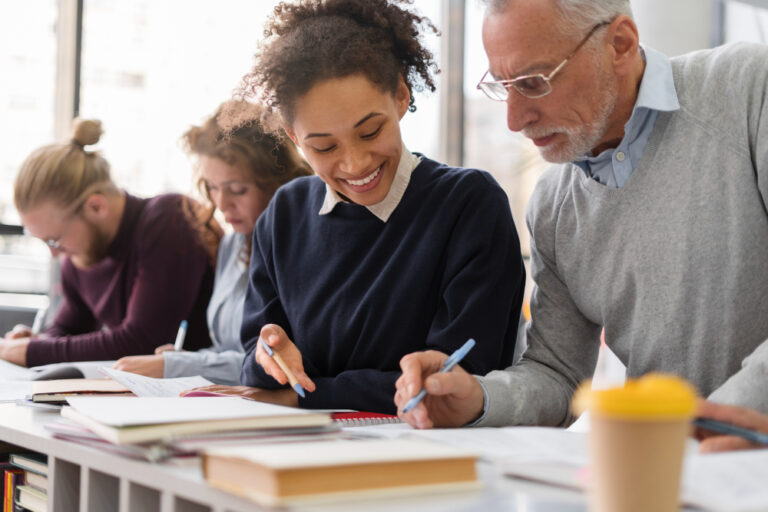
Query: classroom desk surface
88,479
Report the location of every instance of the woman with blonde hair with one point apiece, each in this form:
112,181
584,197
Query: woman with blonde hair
132,269
240,169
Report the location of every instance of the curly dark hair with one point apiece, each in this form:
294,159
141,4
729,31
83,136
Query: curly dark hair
314,40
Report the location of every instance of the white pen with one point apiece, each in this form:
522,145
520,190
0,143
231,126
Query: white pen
179,343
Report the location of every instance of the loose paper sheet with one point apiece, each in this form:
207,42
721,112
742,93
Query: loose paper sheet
147,386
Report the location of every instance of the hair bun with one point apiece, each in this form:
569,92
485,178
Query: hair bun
86,131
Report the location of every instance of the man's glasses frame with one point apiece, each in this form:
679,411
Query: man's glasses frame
55,243
530,86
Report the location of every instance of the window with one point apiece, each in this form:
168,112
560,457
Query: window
745,21
488,144
28,60
152,69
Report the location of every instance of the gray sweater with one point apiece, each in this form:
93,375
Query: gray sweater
674,265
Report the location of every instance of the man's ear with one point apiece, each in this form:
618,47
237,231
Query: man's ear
96,206
625,42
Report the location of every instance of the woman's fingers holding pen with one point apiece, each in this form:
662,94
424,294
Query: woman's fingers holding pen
285,351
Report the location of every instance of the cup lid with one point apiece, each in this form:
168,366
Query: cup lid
654,396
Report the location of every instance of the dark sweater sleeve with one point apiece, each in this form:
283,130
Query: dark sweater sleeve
73,316
171,269
262,305
483,283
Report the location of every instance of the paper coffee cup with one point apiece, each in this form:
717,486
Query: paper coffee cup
637,441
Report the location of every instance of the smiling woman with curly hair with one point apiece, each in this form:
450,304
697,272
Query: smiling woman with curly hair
384,251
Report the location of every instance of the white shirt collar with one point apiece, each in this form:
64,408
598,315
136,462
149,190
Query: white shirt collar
383,209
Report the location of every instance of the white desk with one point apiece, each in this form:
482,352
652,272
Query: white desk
88,480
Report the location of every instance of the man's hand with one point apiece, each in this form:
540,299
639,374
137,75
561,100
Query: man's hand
19,331
739,416
164,348
14,350
286,397
453,398
150,366
280,343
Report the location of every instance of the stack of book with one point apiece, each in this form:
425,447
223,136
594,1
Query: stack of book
26,483
125,420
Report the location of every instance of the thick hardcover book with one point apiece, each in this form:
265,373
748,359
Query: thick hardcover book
57,391
35,462
31,499
293,472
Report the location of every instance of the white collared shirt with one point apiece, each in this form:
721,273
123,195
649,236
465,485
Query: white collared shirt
383,209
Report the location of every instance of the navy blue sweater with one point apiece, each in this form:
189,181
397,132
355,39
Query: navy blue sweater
356,294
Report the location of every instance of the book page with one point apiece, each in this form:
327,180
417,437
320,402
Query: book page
148,386
12,390
727,482
498,444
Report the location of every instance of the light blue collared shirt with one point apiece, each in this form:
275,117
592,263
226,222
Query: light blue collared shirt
613,167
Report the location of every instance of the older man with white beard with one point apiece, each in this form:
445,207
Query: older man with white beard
653,225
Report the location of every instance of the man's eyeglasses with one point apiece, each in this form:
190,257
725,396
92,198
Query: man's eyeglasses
55,243
530,86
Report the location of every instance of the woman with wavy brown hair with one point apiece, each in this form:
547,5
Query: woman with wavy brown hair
240,168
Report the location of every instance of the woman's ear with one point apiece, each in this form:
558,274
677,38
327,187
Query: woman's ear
402,97
291,135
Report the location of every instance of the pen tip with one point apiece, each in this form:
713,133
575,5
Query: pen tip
298,389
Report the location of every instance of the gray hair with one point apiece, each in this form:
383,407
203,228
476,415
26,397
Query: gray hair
576,16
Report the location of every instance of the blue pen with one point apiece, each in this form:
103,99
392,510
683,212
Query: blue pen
279,360
447,366
731,430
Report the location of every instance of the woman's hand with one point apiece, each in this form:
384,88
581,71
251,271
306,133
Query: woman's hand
150,366
274,336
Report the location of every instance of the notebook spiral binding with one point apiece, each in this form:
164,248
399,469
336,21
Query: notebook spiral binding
361,419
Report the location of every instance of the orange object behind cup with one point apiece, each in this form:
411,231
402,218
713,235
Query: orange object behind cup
637,441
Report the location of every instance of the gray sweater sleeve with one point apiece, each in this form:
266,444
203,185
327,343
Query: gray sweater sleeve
562,343
749,386
218,367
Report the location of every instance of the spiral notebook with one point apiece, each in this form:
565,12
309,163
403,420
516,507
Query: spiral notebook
361,419
345,418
